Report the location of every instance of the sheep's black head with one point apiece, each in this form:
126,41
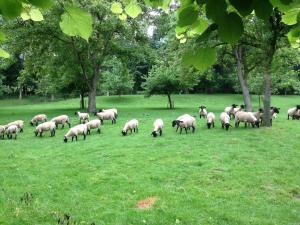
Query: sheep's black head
174,123
31,123
256,123
65,139
260,110
95,113
154,133
76,113
227,125
100,110
208,125
202,107
298,106
275,109
234,105
242,106
124,132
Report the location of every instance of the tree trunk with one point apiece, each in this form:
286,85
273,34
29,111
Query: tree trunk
20,93
81,102
93,92
242,77
267,96
170,101
52,97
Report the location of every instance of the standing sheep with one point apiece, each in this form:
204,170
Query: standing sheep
174,123
38,118
94,124
246,117
230,110
18,123
292,112
114,110
202,111
83,117
61,120
211,120
106,115
186,122
158,127
2,131
130,125
10,130
46,126
225,120
80,129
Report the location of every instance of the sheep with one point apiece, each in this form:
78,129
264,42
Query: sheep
18,123
2,131
225,120
230,110
61,120
94,124
202,111
174,123
83,117
106,115
114,110
246,117
258,114
10,130
158,127
238,109
292,112
38,118
273,110
186,122
211,120
46,126
80,129
297,114
130,125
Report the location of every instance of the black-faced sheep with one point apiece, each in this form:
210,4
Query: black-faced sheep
38,118
61,120
83,117
80,129
106,115
12,130
202,111
211,120
225,120
158,127
94,124
186,122
46,126
130,125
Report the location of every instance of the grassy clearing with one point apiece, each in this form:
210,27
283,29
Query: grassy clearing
243,176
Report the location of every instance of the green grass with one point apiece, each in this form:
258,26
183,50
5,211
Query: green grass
243,176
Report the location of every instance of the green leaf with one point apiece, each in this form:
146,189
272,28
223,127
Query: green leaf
2,36
76,21
183,40
133,9
294,37
290,17
188,59
36,15
116,8
198,27
216,10
205,58
231,28
263,9
10,8
25,16
187,15
180,30
4,54
123,17
40,3
244,7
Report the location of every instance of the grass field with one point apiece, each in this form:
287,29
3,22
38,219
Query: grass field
243,176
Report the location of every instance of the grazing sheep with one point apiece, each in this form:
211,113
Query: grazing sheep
61,120
158,127
18,123
2,131
230,110
292,112
46,126
225,120
114,110
10,130
202,111
94,124
106,115
130,125
246,117
211,120
80,129
38,118
83,117
174,123
186,122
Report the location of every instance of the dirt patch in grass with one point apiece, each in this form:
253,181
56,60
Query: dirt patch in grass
297,197
146,203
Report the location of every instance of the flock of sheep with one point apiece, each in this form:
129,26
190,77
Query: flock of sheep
185,121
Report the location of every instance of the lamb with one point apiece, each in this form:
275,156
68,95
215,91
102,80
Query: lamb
2,131
174,123
130,125
114,110
292,112
46,126
18,123
186,122
230,110
211,120
10,130
106,115
38,118
61,120
202,111
80,129
158,127
83,117
94,124
246,117
225,120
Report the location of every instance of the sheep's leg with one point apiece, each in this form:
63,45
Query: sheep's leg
193,129
84,136
222,125
185,130
15,136
177,128
21,130
69,124
76,137
160,132
72,138
63,125
180,130
98,130
36,123
41,134
137,129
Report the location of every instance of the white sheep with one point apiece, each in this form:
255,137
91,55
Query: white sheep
225,120
80,129
292,112
106,115
10,130
186,122
211,120
238,109
202,111
38,118
94,124
18,123
2,131
230,110
46,126
83,117
114,110
131,125
174,122
61,120
246,117
158,127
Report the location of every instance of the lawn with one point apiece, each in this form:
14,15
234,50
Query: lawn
243,176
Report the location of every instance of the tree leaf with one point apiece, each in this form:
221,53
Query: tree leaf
2,36
36,15
25,16
263,9
231,28
205,58
123,17
10,8
76,21
290,17
4,54
198,27
133,9
216,10
294,37
187,15
40,3
244,7
116,8
188,59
